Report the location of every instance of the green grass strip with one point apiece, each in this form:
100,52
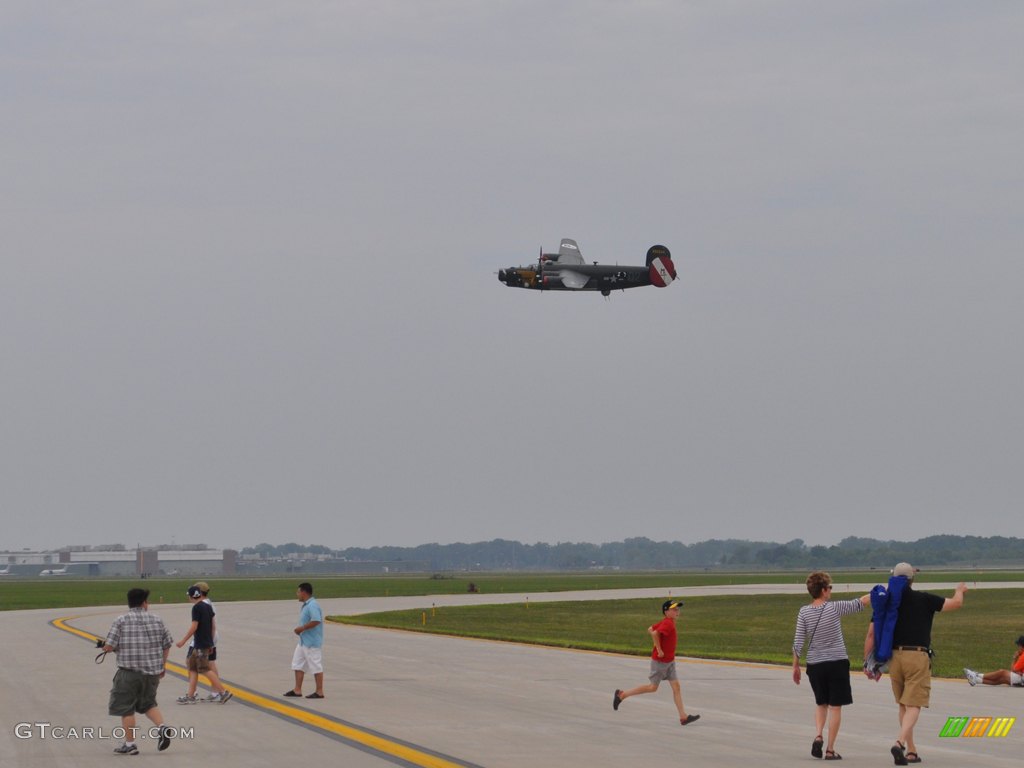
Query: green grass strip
742,628
76,592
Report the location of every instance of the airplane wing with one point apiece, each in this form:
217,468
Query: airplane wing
569,252
572,279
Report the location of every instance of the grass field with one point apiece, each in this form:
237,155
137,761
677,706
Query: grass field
63,592
748,628
758,628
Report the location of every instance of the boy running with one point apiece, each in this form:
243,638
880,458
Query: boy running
663,662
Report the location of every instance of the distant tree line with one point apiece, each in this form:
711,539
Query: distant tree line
286,550
645,554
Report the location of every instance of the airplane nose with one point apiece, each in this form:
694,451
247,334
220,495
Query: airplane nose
502,277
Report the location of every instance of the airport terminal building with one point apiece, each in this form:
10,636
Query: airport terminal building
123,562
190,560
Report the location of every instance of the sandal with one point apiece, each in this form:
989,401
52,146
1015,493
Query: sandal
897,754
915,759
689,719
832,755
816,746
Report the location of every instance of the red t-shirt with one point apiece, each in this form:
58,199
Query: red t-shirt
667,629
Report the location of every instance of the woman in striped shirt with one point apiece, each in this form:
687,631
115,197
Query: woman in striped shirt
828,665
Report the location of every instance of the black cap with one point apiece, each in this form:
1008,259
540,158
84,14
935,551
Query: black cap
194,592
671,604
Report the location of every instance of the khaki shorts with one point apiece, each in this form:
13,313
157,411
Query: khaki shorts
910,673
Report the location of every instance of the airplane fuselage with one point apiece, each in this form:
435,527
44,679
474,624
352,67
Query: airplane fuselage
566,271
594,277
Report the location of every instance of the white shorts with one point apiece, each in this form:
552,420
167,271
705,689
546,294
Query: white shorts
1016,679
307,659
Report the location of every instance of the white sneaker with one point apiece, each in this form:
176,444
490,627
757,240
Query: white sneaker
972,677
186,699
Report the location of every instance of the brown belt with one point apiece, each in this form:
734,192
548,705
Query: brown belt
910,648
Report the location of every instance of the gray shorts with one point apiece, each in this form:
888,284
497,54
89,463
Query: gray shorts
661,670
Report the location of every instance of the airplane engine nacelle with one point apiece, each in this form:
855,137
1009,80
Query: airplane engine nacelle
659,262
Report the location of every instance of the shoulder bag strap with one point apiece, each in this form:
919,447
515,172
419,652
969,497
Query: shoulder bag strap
820,615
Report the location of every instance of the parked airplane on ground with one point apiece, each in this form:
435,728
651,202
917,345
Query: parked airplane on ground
54,571
566,271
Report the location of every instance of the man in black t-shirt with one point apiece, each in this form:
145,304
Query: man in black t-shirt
202,632
910,670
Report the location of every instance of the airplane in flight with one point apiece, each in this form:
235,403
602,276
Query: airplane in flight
566,271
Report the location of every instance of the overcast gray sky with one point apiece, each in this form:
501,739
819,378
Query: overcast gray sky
249,250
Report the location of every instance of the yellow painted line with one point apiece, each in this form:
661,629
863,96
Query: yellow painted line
376,742
351,733
61,624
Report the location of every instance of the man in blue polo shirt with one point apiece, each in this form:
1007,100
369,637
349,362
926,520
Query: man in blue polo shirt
308,655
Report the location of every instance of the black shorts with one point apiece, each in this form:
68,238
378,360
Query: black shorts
830,681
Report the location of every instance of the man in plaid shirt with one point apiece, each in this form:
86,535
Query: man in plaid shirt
142,644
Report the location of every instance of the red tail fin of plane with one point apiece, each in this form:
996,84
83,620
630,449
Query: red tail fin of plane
659,262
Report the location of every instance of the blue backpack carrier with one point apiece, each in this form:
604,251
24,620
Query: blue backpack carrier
885,606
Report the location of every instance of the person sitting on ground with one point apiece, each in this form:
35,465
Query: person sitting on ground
1013,676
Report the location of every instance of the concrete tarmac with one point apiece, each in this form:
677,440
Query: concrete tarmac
411,699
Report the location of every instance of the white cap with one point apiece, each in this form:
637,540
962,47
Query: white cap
904,569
